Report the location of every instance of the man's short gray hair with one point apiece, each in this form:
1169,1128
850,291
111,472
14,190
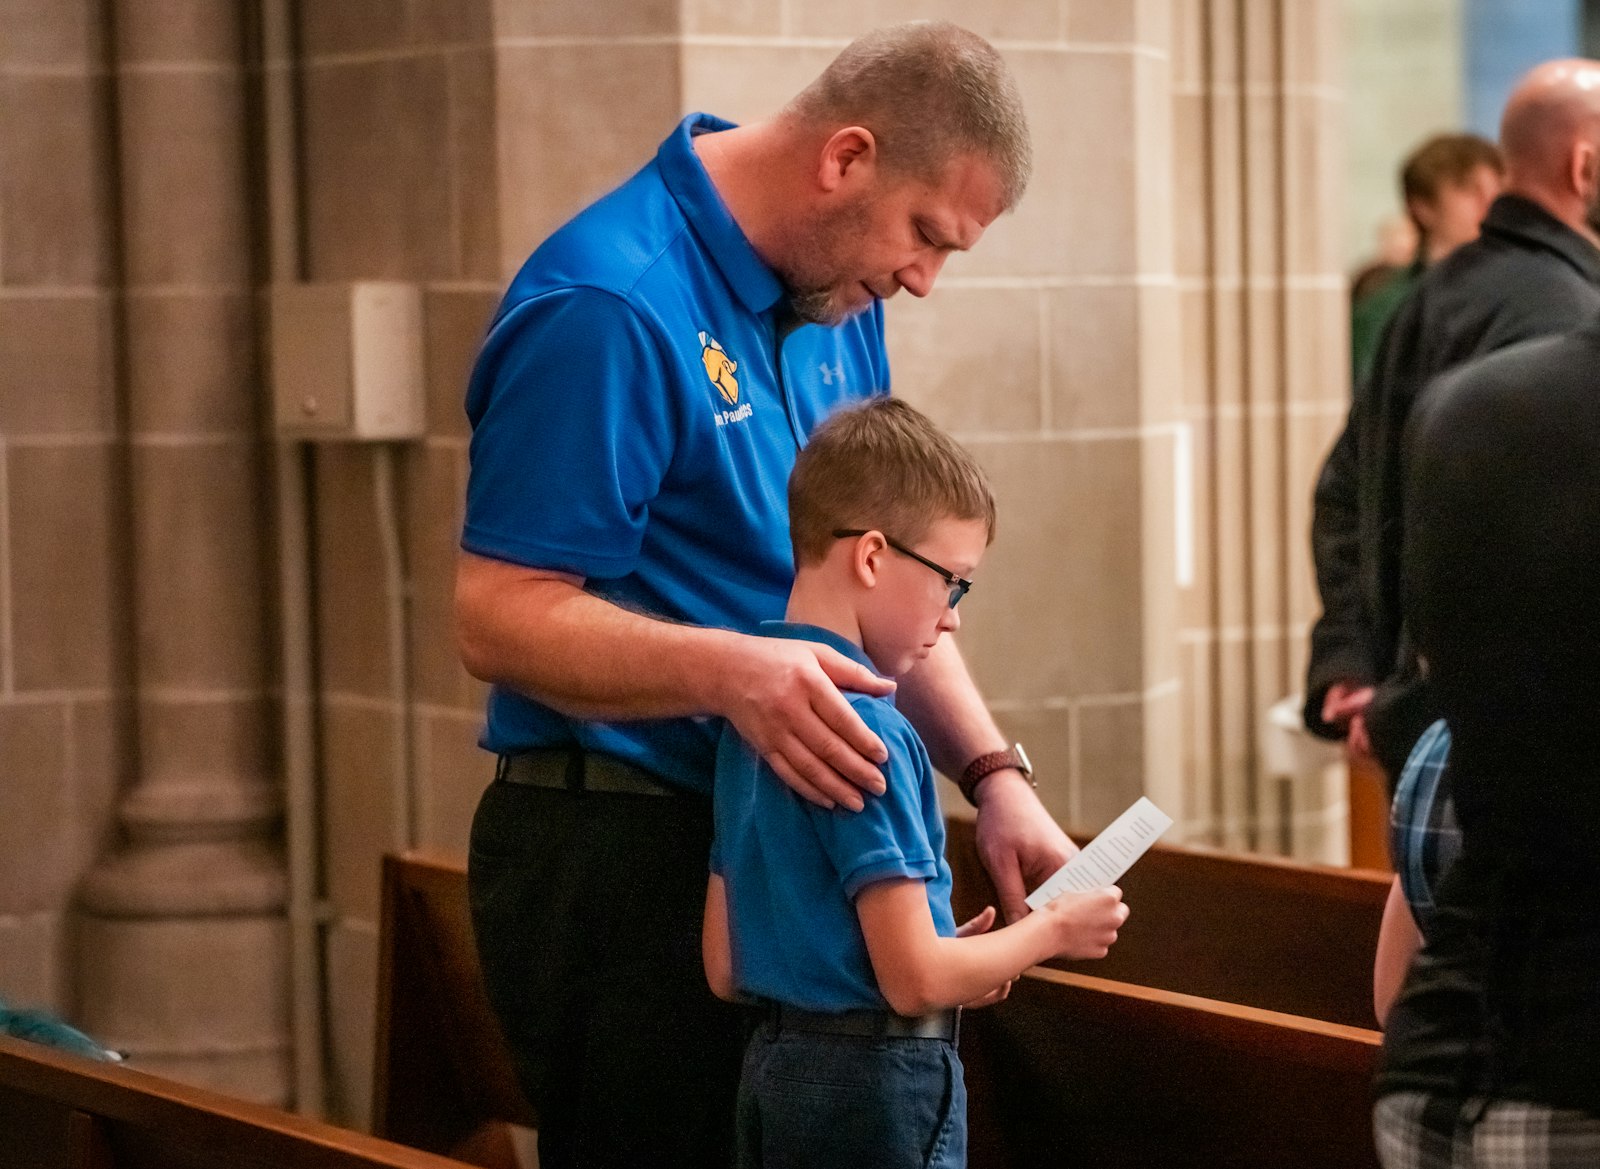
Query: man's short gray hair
929,91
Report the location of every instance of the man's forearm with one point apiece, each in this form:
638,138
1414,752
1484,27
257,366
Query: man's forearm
548,638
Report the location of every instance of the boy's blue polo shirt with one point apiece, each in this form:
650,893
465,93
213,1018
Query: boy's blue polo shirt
793,869
634,424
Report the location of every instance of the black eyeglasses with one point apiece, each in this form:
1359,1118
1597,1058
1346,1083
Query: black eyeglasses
958,585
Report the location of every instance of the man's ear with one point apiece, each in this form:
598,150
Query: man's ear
1585,166
849,154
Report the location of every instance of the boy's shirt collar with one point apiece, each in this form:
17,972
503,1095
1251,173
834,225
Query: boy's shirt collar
799,631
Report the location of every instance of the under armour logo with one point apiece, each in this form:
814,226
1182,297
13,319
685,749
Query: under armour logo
829,372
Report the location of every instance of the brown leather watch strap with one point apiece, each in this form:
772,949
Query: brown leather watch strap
986,765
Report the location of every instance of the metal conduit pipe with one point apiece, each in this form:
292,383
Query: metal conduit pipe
307,1007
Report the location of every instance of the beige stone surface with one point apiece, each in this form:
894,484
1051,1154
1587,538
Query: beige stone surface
377,167
192,362
184,201
170,31
1052,613
56,359
517,19
350,594
970,357
996,20
454,771
743,83
207,736
1191,209
1188,49
1147,23
734,17
198,556
455,322
33,961
201,1000
66,601
1079,215
388,25
437,489
1111,758
551,167
352,980
35,808
101,737
1158,573
361,813
64,35
474,165
1318,344
55,208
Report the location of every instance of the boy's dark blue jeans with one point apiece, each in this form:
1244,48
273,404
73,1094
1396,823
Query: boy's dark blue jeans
811,1101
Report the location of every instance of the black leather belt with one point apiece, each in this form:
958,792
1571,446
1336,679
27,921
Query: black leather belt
868,1024
577,770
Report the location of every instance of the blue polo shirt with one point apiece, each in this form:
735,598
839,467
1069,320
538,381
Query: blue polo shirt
636,409
793,869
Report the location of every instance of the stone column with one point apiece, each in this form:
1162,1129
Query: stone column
1265,374
182,951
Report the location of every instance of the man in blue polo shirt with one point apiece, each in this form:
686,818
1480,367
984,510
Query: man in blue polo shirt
636,409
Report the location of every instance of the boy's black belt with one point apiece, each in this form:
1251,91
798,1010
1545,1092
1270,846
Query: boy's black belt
868,1024
577,770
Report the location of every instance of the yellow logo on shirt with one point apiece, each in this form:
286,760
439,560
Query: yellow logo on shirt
720,368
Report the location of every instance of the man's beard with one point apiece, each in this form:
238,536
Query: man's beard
824,248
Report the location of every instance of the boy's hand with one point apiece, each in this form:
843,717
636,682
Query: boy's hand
981,925
1085,924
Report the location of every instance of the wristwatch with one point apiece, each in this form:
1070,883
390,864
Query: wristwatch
1012,756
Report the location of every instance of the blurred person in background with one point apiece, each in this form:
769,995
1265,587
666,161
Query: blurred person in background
1534,271
1447,185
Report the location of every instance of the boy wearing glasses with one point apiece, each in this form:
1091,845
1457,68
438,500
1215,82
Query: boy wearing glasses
837,923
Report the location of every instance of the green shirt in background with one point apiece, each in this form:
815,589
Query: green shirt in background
1371,313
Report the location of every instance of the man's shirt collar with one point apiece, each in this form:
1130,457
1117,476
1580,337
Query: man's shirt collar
747,274
1525,220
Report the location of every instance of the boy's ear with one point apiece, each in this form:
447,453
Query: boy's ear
866,558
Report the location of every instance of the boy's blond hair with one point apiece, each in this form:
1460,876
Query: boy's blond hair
882,465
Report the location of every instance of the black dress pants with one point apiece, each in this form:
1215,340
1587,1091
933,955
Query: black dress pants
587,909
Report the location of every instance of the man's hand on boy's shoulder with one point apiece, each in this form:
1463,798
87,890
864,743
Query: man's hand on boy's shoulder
784,698
1020,843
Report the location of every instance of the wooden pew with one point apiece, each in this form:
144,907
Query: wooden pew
58,1111
442,1077
1074,1070
1256,931
1058,1075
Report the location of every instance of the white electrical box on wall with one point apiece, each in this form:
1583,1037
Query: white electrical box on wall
347,361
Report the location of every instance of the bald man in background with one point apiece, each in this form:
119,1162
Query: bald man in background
1534,271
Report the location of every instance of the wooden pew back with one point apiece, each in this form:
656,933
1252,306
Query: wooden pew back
58,1111
1260,932
442,1072
1074,1070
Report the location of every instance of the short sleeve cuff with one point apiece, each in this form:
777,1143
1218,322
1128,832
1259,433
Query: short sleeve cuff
887,866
